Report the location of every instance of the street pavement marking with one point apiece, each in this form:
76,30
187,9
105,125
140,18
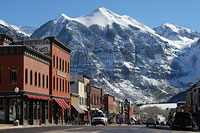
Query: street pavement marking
4,127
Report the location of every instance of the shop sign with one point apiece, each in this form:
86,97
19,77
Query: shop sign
42,46
61,74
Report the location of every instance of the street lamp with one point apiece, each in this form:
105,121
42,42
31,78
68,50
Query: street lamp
16,91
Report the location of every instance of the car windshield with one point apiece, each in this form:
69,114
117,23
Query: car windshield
99,115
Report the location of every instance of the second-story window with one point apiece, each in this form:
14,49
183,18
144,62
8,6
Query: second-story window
68,86
54,82
68,67
63,65
63,85
43,80
47,81
31,77
39,79
54,61
26,76
60,63
35,78
57,84
60,85
57,62
13,75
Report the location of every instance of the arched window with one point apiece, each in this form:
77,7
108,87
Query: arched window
54,61
57,84
60,63
68,67
31,77
39,79
57,62
35,78
43,80
54,82
63,65
60,85
26,76
47,81
63,85
68,86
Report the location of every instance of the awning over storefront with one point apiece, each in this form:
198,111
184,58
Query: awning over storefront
38,97
65,104
62,103
78,109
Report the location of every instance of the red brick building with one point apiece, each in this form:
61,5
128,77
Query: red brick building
97,98
108,103
40,69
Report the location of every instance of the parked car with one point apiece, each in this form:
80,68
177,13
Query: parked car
139,122
99,119
180,119
151,121
130,122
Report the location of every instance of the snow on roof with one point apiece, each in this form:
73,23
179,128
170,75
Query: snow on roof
162,106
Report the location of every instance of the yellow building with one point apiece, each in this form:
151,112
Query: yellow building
74,98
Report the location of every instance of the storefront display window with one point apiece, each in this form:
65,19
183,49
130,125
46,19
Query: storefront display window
2,113
12,110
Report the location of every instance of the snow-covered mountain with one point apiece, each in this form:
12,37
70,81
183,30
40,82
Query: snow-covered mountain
125,57
175,32
19,32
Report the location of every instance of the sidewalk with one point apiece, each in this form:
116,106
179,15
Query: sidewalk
6,126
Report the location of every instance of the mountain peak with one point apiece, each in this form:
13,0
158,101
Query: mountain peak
103,17
62,18
176,28
102,10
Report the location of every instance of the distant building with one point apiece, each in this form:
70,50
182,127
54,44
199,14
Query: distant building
80,84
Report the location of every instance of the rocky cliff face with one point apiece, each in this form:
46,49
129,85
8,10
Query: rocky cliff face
125,57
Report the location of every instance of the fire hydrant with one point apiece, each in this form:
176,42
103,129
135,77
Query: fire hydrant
40,121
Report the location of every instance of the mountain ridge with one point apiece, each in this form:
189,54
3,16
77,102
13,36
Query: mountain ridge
128,60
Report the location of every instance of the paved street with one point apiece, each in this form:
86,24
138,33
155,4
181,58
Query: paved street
93,129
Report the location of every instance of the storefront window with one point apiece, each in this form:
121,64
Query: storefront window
46,110
35,110
26,110
12,110
2,113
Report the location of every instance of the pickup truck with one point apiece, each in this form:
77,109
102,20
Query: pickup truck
99,119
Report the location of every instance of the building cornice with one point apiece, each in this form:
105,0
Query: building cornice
60,44
6,38
25,50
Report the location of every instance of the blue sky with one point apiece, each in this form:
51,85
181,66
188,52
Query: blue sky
149,12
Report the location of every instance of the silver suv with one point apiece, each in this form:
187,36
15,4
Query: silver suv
99,119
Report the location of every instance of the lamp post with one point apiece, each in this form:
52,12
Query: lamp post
16,91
